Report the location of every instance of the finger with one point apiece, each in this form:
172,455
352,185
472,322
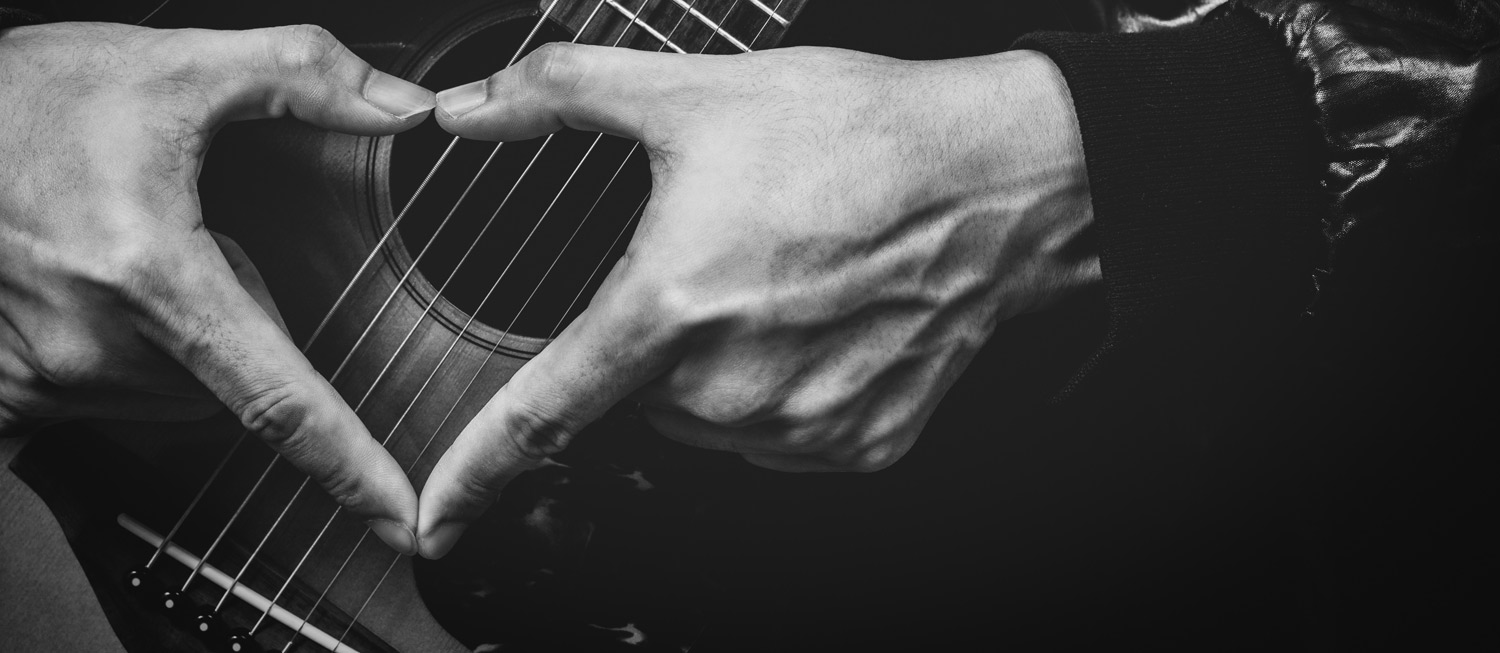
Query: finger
198,312
617,344
156,373
613,90
305,72
249,277
761,438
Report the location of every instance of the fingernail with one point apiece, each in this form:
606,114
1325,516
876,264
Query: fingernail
395,535
441,540
460,100
397,96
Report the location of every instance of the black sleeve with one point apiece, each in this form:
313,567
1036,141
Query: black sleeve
1202,168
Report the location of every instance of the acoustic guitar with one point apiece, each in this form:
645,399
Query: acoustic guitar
418,272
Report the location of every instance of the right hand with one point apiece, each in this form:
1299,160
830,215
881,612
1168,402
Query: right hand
116,301
831,237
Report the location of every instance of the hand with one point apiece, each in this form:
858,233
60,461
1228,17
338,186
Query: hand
831,238
117,302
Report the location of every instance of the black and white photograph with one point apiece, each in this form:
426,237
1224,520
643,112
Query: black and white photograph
743,326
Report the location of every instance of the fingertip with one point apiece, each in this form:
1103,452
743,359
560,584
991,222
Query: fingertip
398,98
383,491
437,530
322,437
453,103
396,535
439,540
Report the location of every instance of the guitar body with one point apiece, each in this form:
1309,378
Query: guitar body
628,542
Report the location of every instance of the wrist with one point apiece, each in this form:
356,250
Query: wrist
1048,216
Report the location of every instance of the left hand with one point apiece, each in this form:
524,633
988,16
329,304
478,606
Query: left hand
830,239
115,300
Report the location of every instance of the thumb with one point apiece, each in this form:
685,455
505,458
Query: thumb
610,350
199,313
617,91
305,72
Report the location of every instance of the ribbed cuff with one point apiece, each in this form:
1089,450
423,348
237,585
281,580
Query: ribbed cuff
1202,173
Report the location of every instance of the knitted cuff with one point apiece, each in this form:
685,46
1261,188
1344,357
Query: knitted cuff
1202,173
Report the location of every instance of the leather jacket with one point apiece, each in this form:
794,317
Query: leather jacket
1406,95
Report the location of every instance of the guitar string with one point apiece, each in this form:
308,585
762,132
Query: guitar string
302,487
451,348
557,258
770,13
368,393
269,466
328,316
555,329
364,536
716,29
153,12
312,339
417,396
775,15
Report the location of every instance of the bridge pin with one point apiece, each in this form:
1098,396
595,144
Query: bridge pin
140,582
175,606
240,641
206,624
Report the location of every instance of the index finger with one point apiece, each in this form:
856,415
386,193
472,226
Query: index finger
617,344
195,310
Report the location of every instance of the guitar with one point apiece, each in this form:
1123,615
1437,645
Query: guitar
419,272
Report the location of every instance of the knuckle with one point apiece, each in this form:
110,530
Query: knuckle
879,453
117,268
736,407
873,459
132,271
345,488
556,65
813,417
278,417
538,433
676,302
804,438
65,365
291,426
304,48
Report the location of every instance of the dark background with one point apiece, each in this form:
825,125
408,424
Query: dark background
1329,485
1326,486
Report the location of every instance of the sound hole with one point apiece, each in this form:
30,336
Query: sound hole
547,280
